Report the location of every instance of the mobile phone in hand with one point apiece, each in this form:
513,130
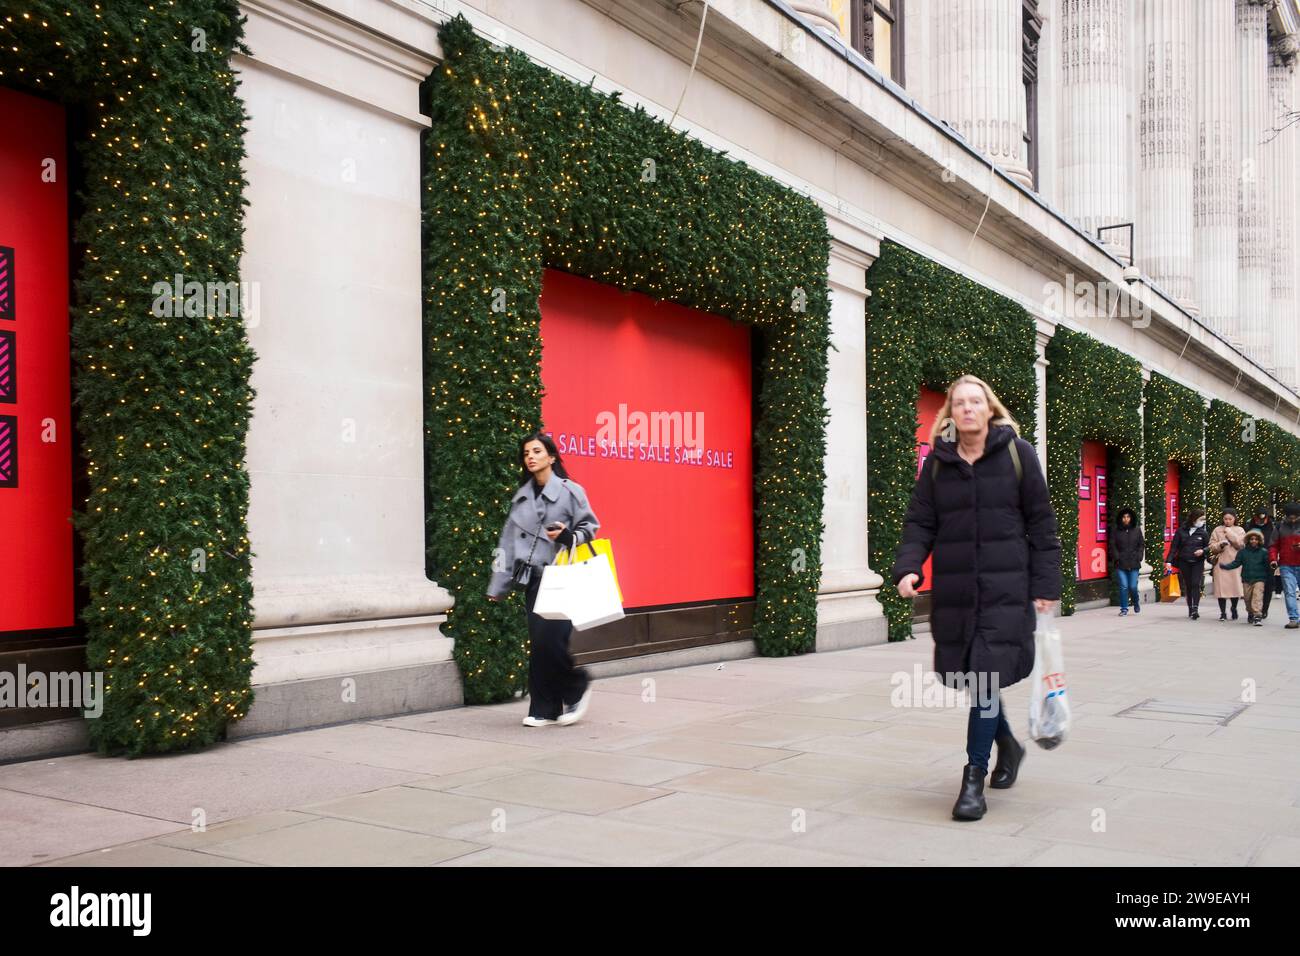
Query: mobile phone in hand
554,526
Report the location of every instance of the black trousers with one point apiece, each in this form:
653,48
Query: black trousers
554,681
1192,575
1268,592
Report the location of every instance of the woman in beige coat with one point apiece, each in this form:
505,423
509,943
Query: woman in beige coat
1225,541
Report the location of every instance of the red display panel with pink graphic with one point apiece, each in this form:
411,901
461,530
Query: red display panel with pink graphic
1172,503
650,406
36,535
1091,555
928,406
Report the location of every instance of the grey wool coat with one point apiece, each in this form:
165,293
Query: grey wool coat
562,499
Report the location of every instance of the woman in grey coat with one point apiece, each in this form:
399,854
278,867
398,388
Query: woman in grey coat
548,512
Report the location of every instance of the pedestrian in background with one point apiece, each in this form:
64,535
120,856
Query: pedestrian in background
1286,554
1187,556
1262,523
1125,549
1225,541
1256,571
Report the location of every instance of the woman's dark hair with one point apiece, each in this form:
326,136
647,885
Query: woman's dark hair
549,444
1192,516
1260,511
1231,511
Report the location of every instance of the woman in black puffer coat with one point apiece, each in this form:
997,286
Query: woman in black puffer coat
1187,554
981,508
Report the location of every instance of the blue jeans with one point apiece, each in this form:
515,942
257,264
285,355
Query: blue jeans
987,721
1290,581
1128,581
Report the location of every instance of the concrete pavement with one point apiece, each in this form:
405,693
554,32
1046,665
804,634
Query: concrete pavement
1185,751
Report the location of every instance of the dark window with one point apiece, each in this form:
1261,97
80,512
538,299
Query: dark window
878,35
1031,31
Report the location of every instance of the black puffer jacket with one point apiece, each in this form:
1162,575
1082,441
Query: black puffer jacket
995,547
1127,547
1187,541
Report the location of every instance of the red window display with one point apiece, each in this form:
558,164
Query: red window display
650,405
928,406
37,584
1172,481
1091,555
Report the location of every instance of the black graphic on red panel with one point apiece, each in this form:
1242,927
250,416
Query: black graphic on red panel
8,367
6,283
8,451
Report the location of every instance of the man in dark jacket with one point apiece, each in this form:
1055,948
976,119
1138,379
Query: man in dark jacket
1126,550
1286,553
1262,523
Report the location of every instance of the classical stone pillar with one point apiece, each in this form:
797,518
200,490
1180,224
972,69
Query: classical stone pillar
1094,103
1042,337
1254,222
848,610
981,90
1216,168
1164,169
335,447
818,13
1280,160
1144,572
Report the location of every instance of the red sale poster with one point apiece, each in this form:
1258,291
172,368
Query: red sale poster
1172,478
650,406
1092,512
36,536
928,406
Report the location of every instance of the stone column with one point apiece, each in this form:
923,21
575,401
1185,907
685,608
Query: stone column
335,447
981,90
1280,160
1254,222
1144,572
818,13
848,610
1216,168
1093,94
1164,167
1044,335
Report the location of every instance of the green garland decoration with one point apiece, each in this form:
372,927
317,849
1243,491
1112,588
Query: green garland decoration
1274,457
1227,458
926,326
162,403
1094,392
1174,429
527,170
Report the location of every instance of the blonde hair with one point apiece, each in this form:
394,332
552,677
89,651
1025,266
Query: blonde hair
1000,414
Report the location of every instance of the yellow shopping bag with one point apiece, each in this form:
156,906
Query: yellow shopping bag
585,552
1170,589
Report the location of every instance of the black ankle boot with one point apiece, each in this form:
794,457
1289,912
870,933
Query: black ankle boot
970,803
1010,753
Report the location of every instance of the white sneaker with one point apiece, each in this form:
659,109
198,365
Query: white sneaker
574,714
531,721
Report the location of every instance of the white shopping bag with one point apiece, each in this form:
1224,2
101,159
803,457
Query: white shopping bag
1049,704
584,593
